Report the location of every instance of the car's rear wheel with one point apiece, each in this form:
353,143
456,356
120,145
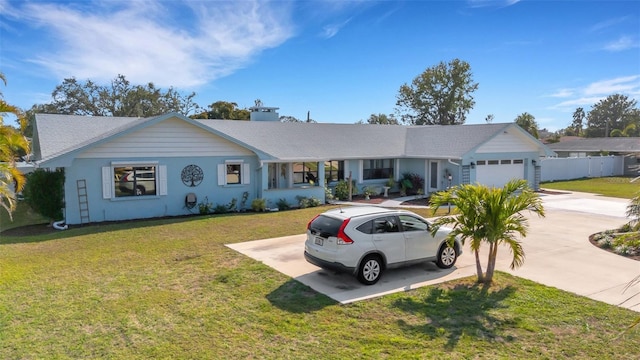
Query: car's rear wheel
446,256
370,270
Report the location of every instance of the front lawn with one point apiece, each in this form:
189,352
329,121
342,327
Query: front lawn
620,186
169,288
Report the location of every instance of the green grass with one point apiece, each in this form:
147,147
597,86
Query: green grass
620,187
22,216
169,288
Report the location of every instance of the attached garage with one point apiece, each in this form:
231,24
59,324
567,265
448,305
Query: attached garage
496,173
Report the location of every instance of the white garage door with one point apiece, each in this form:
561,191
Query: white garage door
499,172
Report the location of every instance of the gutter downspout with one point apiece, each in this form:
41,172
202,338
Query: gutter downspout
58,225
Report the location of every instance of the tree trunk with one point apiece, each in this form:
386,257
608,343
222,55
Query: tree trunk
491,266
479,267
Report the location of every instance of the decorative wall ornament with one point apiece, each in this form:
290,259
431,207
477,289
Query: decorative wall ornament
192,175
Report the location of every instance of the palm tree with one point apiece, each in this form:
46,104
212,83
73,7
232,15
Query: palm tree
489,215
11,144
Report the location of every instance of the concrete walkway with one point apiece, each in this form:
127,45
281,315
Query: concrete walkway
558,254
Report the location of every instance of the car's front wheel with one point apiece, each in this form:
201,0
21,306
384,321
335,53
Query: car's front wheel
370,270
446,256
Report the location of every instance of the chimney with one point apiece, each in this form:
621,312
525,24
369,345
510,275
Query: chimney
263,113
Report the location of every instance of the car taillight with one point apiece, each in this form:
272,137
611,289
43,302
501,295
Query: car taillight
344,239
309,223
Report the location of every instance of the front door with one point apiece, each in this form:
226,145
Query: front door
433,176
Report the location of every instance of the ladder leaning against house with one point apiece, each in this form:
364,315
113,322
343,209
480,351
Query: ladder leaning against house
83,201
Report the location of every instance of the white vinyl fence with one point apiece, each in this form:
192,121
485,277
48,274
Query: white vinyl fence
553,169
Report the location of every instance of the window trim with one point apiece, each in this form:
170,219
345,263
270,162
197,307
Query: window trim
245,174
339,171
305,170
109,183
390,169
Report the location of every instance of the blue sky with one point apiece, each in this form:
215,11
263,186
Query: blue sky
339,60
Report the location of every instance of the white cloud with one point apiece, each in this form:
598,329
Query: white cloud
609,23
570,105
331,30
143,41
596,91
623,84
562,93
623,43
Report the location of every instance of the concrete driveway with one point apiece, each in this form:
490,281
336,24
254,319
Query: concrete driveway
558,254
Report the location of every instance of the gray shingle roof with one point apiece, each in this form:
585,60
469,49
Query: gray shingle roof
611,144
57,135
448,141
299,141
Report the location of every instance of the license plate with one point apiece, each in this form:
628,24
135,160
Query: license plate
319,241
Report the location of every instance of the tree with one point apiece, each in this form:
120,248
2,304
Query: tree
489,215
119,98
614,112
287,118
45,193
442,95
381,119
12,144
528,123
578,121
224,110
489,119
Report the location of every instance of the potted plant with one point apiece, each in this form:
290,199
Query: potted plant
391,182
368,191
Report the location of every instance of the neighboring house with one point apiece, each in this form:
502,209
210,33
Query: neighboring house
128,168
629,147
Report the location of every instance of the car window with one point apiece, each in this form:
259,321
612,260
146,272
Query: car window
325,226
410,223
386,224
366,228
381,225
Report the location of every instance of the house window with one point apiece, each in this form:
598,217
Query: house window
493,162
518,161
377,169
234,174
135,180
305,173
505,162
334,170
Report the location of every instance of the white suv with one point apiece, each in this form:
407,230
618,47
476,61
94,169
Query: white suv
366,240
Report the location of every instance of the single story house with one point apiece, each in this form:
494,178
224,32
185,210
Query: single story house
127,168
629,147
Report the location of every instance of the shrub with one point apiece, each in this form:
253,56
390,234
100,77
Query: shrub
233,205
259,205
221,209
305,202
205,207
342,189
44,191
412,183
327,192
282,204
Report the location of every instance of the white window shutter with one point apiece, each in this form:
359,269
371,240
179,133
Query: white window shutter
162,180
222,174
360,171
246,175
107,182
